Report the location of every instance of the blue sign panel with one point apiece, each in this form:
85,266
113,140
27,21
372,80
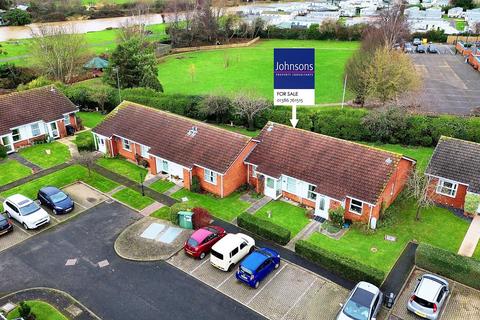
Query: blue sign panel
294,76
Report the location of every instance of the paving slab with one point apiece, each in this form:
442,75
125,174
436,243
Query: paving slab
12,238
211,275
464,303
83,195
186,263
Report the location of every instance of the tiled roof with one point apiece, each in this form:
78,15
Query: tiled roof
20,108
337,167
166,133
457,160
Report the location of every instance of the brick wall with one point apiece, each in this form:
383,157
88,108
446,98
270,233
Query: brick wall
236,175
62,131
457,202
306,202
186,179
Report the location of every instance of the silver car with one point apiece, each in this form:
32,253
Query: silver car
364,303
428,297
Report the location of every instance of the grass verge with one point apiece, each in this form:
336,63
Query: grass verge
133,198
57,154
12,170
285,215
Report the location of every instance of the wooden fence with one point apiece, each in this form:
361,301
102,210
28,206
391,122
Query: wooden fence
454,39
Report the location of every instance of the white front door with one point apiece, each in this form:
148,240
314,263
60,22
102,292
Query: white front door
53,130
272,187
8,143
102,147
322,205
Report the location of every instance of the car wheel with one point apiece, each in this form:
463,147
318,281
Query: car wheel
202,255
251,249
257,284
230,267
8,215
25,226
277,265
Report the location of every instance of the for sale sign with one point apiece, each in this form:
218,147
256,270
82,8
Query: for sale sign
294,76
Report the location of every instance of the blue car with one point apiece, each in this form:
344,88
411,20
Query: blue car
257,265
56,200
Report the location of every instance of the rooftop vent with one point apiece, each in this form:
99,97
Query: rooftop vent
192,132
270,127
388,161
52,89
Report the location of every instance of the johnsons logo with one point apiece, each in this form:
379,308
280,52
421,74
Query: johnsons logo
293,68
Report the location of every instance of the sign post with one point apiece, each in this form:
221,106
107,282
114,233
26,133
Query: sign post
294,78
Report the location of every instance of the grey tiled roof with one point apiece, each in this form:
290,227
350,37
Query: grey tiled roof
457,160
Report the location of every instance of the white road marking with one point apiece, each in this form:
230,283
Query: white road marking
201,264
78,204
225,280
300,297
266,284
54,218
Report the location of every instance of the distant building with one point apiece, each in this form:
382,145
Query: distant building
456,12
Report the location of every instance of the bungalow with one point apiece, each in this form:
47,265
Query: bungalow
324,173
454,174
33,115
176,146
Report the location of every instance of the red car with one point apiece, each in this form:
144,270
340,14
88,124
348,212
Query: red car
202,241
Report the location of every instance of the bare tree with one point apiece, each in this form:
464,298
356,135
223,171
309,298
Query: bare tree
101,95
86,159
417,189
216,105
247,106
356,71
135,26
59,52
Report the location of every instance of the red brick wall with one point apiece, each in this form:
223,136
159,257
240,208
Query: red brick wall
62,131
236,175
457,202
73,121
28,142
152,165
186,179
356,217
473,62
253,181
306,202
212,188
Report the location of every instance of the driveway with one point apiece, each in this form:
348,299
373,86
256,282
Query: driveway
450,85
120,289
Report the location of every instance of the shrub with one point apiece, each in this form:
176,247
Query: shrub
448,264
264,228
336,216
3,151
341,265
195,187
85,142
176,208
201,218
25,311
12,76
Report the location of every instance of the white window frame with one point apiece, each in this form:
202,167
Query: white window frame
254,171
66,119
311,194
144,151
126,145
18,135
441,187
289,182
352,205
210,176
35,131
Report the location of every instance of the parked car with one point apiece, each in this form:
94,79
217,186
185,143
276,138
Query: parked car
201,241
363,303
55,199
432,48
428,297
421,48
408,48
230,250
26,211
417,42
257,265
5,225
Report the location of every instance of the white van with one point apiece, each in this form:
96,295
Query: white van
230,250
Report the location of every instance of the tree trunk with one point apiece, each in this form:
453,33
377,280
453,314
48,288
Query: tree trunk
417,215
251,126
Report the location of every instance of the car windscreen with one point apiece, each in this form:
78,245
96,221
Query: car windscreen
57,197
245,270
29,209
424,303
358,306
217,254
192,242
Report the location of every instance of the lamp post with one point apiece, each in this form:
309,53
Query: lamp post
118,85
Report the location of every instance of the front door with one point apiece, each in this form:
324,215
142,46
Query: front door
102,147
53,130
272,187
165,166
321,206
8,143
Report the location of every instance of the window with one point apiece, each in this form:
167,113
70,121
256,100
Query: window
126,144
447,188
35,129
243,245
321,204
210,176
356,206
16,135
66,118
233,253
311,192
291,185
254,171
144,151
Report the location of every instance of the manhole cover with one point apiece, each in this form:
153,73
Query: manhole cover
91,200
374,250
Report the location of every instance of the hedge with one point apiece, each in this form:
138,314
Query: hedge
448,264
85,142
264,228
343,266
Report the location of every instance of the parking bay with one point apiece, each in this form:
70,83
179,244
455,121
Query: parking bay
290,292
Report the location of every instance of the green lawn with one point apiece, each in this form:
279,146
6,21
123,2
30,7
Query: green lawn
90,119
123,168
162,213
237,129
251,69
62,178
161,185
38,155
438,227
476,254
41,310
133,198
224,208
421,154
12,170
285,215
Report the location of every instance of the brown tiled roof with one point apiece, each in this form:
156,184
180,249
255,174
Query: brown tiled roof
166,133
33,105
337,167
457,160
